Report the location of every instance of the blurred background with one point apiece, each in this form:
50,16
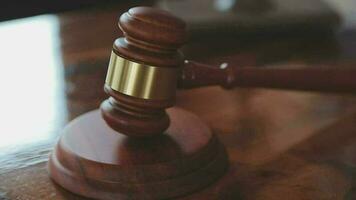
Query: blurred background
11,9
197,12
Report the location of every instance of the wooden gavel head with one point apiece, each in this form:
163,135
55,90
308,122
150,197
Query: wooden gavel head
143,71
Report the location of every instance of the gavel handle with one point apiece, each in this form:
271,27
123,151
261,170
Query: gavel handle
321,79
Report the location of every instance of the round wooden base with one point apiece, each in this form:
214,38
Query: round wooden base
93,160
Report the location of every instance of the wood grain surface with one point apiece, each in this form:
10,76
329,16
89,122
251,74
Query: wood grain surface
281,144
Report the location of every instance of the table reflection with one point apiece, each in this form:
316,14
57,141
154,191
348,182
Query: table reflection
31,82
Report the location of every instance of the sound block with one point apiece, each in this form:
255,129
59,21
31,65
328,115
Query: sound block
94,161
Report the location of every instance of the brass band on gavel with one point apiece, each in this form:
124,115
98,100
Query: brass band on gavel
140,80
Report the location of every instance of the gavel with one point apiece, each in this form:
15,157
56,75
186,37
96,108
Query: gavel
142,151
147,65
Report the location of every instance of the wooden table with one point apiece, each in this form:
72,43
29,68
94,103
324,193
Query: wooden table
281,144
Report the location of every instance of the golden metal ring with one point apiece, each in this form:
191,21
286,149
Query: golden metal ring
140,80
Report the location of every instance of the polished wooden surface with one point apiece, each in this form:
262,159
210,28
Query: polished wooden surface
281,144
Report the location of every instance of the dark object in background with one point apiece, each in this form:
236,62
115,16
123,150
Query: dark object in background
11,9
252,16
